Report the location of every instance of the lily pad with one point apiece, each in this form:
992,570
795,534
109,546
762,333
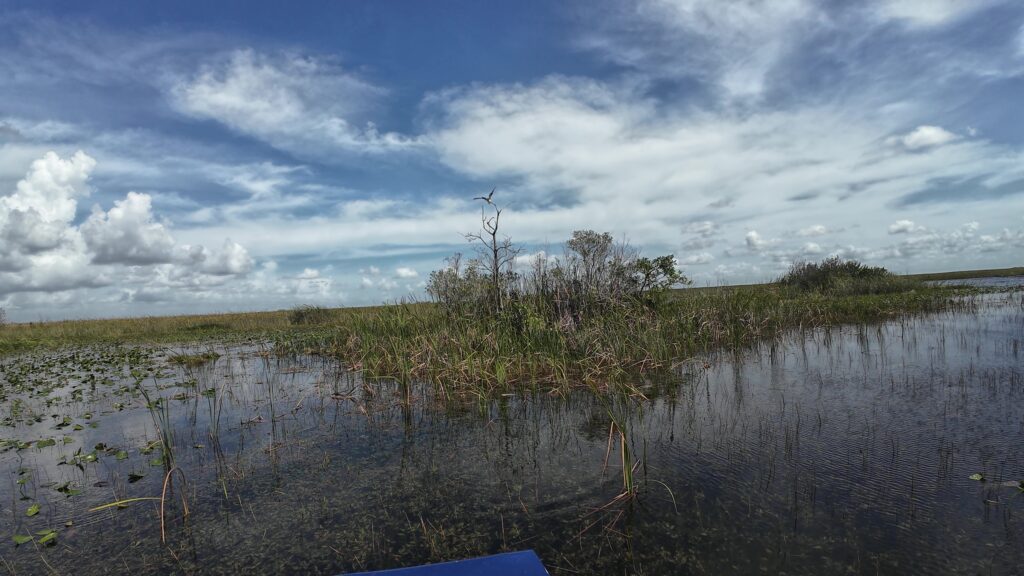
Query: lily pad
47,536
20,539
977,476
32,510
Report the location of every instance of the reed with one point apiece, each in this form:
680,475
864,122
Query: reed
477,355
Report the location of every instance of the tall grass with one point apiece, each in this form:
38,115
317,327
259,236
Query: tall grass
473,354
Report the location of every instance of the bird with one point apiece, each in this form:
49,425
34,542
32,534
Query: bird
486,198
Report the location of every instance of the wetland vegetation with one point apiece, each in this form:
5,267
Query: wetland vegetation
842,419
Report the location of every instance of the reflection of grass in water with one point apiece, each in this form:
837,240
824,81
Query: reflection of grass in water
160,411
194,360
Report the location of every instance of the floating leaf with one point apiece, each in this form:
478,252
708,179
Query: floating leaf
67,490
977,476
47,536
20,539
32,510
122,455
45,443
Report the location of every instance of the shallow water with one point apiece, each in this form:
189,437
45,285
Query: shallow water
988,282
829,451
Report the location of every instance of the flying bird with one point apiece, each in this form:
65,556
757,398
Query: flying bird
487,198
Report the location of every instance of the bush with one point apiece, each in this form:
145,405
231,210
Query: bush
592,277
843,277
309,314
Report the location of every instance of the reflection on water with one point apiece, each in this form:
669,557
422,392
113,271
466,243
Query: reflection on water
990,282
829,451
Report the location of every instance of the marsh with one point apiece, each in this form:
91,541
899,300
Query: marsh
851,448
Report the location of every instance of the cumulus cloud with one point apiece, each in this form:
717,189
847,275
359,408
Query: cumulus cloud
127,234
755,242
405,272
905,227
924,137
231,259
44,251
811,249
300,104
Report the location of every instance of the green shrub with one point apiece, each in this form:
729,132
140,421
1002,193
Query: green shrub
843,277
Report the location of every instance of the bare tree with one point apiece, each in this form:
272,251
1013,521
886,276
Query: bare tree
499,254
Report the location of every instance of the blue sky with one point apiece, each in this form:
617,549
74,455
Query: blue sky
193,156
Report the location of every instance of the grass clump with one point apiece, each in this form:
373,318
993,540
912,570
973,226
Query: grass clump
309,314
836,276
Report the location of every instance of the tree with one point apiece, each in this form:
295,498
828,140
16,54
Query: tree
499,255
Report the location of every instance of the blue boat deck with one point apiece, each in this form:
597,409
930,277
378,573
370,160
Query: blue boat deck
524,563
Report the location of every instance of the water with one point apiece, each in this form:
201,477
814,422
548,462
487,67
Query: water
991,282
847,450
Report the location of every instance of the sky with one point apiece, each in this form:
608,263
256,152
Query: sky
192,157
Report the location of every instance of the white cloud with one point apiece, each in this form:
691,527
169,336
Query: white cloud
927,13
405,272
127,234
51,187
697,259
815,230
43,251
811,249
905,227
755,242
303,105
924,137
231,259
